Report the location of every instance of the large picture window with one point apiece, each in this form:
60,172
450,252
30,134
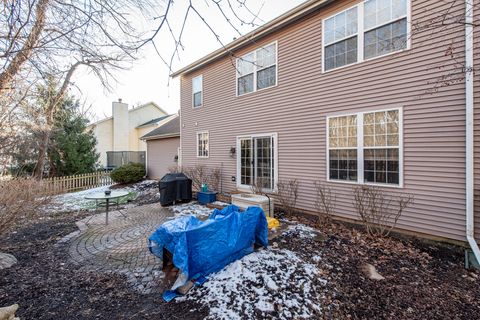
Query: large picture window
202,144
257,70
365,147
348,38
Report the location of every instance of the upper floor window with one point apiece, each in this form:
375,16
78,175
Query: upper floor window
257,70
365,147
202,144
341,38
197,88
349,39
385,23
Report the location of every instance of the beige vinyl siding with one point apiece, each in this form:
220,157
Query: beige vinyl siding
296,109
477,120
160,156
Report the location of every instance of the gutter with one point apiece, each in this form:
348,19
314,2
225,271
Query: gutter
161,136
469,134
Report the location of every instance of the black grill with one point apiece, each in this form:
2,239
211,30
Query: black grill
175,187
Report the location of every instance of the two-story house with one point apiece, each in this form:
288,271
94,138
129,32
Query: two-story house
375,92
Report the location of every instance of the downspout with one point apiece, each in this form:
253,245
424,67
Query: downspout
469,161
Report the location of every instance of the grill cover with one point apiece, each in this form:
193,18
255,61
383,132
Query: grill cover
175,187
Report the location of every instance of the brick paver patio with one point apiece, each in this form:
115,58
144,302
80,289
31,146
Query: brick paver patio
121,246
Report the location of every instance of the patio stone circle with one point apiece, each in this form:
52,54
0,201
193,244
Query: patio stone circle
121,246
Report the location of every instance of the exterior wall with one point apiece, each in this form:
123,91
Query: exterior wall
477,120
142,145
104,134
138,117
160,156
296,109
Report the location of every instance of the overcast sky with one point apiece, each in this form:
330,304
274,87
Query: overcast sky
148,78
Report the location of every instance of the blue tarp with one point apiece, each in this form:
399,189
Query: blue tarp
200,248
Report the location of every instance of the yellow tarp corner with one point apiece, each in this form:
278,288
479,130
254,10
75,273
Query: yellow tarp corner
272,223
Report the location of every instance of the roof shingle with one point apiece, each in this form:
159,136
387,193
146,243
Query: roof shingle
171,128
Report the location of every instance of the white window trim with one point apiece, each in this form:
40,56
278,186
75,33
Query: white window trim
255,70
346,37
360,149
193,92
208,148
248,188
361,33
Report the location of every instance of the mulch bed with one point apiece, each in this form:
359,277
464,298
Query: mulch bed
423,281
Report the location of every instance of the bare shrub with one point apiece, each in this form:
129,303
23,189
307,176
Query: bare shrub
213,179
258,186
201,174
378,212
288,194
325,202
174,169
22,199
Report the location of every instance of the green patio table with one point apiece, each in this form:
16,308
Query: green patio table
106,200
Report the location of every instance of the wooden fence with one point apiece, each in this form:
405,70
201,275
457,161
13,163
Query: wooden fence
79,181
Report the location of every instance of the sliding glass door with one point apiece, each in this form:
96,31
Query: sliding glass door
257,161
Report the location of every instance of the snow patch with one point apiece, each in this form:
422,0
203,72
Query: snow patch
265,283
302,231
220,203
73,201
190,209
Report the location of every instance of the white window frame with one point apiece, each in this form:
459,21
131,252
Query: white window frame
208,146
255,70
201,92
243,187
361,34
360,148
358,34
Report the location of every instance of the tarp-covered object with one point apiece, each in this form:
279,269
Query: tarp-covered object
200,248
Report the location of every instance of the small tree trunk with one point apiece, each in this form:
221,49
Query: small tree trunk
42,153
50,110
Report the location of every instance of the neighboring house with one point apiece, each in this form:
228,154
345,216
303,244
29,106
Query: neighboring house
346,93
163,145
122,131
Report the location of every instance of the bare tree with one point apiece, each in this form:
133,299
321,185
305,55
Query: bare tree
44,42
236,14
41,40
